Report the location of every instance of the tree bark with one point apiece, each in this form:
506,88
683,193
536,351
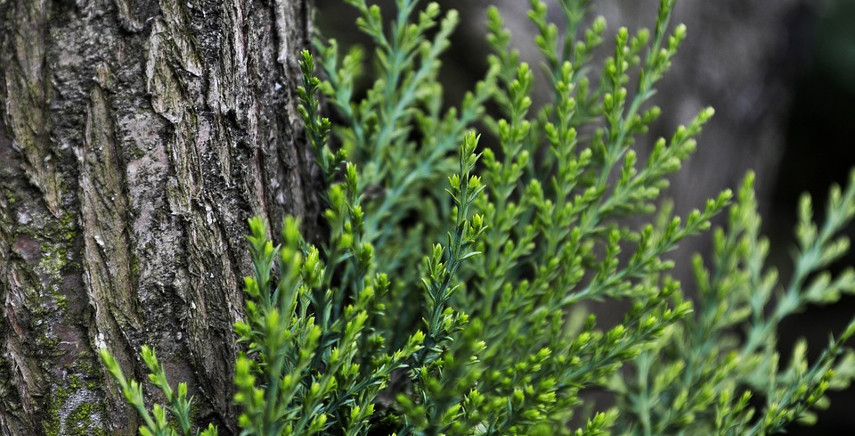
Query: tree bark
138,137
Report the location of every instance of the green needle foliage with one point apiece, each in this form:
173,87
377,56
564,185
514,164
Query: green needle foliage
449,296
157,423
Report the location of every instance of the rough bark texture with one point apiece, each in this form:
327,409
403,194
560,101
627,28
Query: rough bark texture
138,137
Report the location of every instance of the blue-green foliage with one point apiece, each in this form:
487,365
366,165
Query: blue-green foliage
448,296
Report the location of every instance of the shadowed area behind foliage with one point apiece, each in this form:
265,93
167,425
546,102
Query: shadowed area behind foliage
819,151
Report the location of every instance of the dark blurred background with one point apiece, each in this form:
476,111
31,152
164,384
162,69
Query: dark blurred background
818,149
781,76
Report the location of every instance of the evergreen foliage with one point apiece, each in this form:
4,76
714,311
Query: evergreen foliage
449,295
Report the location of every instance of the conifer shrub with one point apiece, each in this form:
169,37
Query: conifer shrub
448,297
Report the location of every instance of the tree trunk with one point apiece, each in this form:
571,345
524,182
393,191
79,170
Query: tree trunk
138,137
